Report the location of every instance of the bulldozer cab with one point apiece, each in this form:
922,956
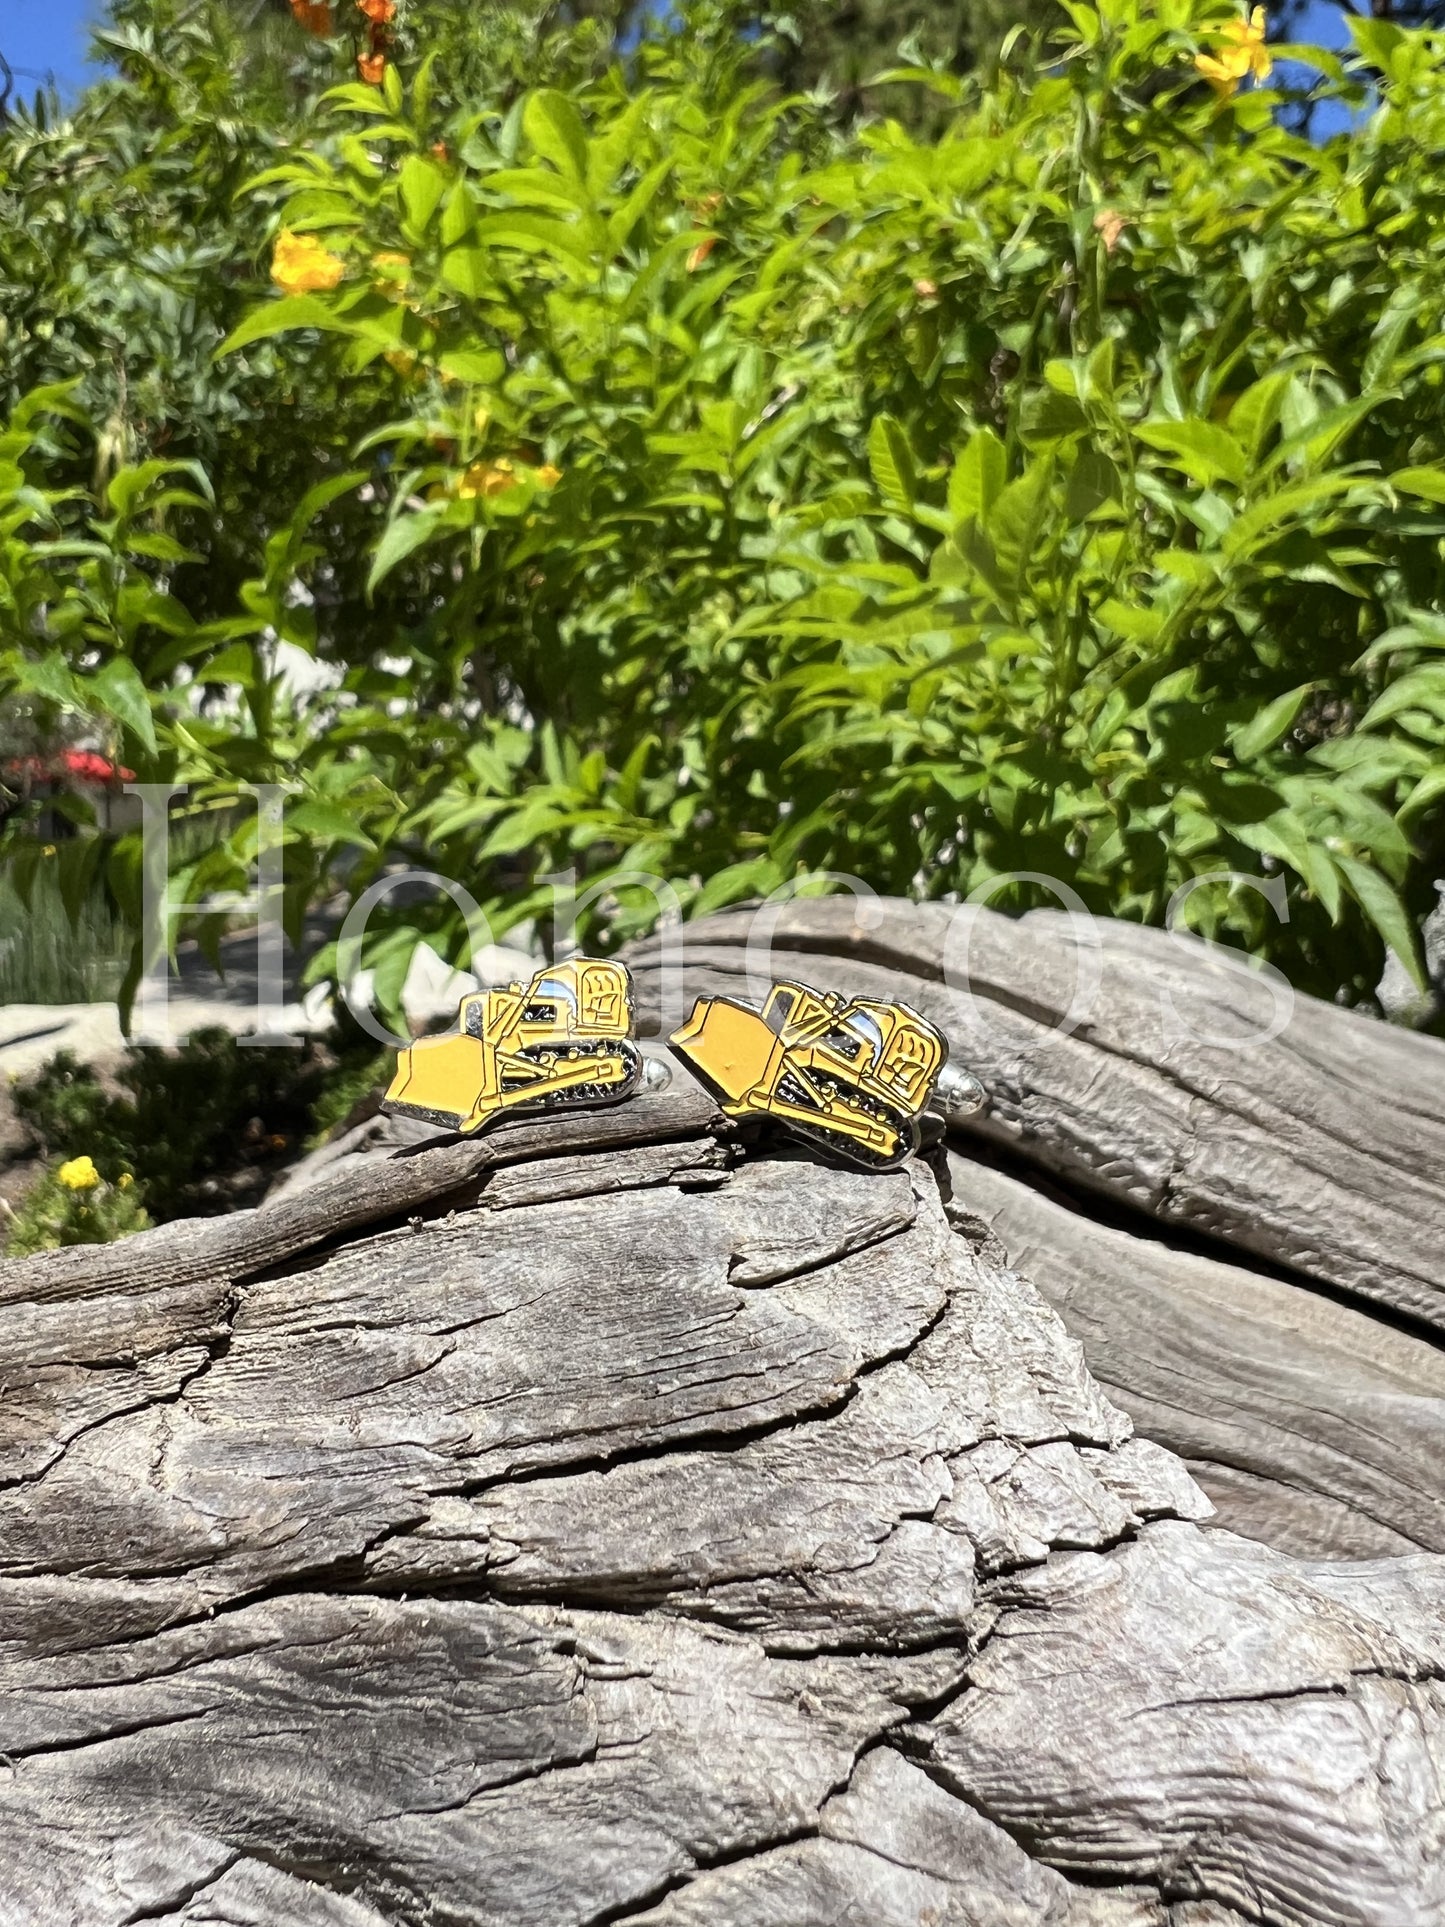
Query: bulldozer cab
908,1053
884,1047
575,999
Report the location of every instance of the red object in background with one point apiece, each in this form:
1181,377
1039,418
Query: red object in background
76,765
314,16
85,766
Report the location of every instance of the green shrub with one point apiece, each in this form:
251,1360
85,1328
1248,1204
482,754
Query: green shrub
203,1129
1059,489
73,1205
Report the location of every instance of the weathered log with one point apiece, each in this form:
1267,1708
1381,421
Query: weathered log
1321,1149
614,1521
1311,1425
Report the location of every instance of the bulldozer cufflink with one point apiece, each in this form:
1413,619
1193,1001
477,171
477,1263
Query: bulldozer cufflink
559,1043
847,1075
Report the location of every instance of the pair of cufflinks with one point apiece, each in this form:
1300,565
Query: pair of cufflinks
848,1076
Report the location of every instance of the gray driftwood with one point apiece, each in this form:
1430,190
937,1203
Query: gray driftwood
1322,1150
1308,1402
1310,1424
611,1522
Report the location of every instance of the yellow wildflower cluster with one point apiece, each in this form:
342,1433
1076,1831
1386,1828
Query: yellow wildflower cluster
79,1174
301,265
495,478
1242,54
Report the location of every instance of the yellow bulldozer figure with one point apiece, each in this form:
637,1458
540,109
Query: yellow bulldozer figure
850,1075
563,1041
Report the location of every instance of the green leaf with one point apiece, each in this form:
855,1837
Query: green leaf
1430,789
1017,516
328,821
484,366
1047,416
533,234
1422,688
1206,452
422,185
50,676
977,478
237,665
1428,483
1380,41
734,883
467,270
280,317
891,463
1274,721
1093,480
1381,904
120,691
554,127
1255,413
403,537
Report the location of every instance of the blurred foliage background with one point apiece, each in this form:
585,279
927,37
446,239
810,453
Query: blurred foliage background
735,447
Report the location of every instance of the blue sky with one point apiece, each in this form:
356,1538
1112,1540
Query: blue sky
45,37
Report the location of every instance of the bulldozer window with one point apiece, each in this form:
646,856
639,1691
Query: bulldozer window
845,1044
553,1004
865,1030
778,1009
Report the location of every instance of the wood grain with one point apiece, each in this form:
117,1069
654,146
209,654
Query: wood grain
1312,1425
621,1524
1322,1149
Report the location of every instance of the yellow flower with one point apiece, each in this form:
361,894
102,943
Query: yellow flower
486,478
301,265
1243,53
125,1180
79,1175
549,476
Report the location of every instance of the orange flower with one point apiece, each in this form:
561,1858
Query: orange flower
700,253
1243,53
1110,225
487,478
926,290
372,68
301,265
383,12
441,150
314,17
